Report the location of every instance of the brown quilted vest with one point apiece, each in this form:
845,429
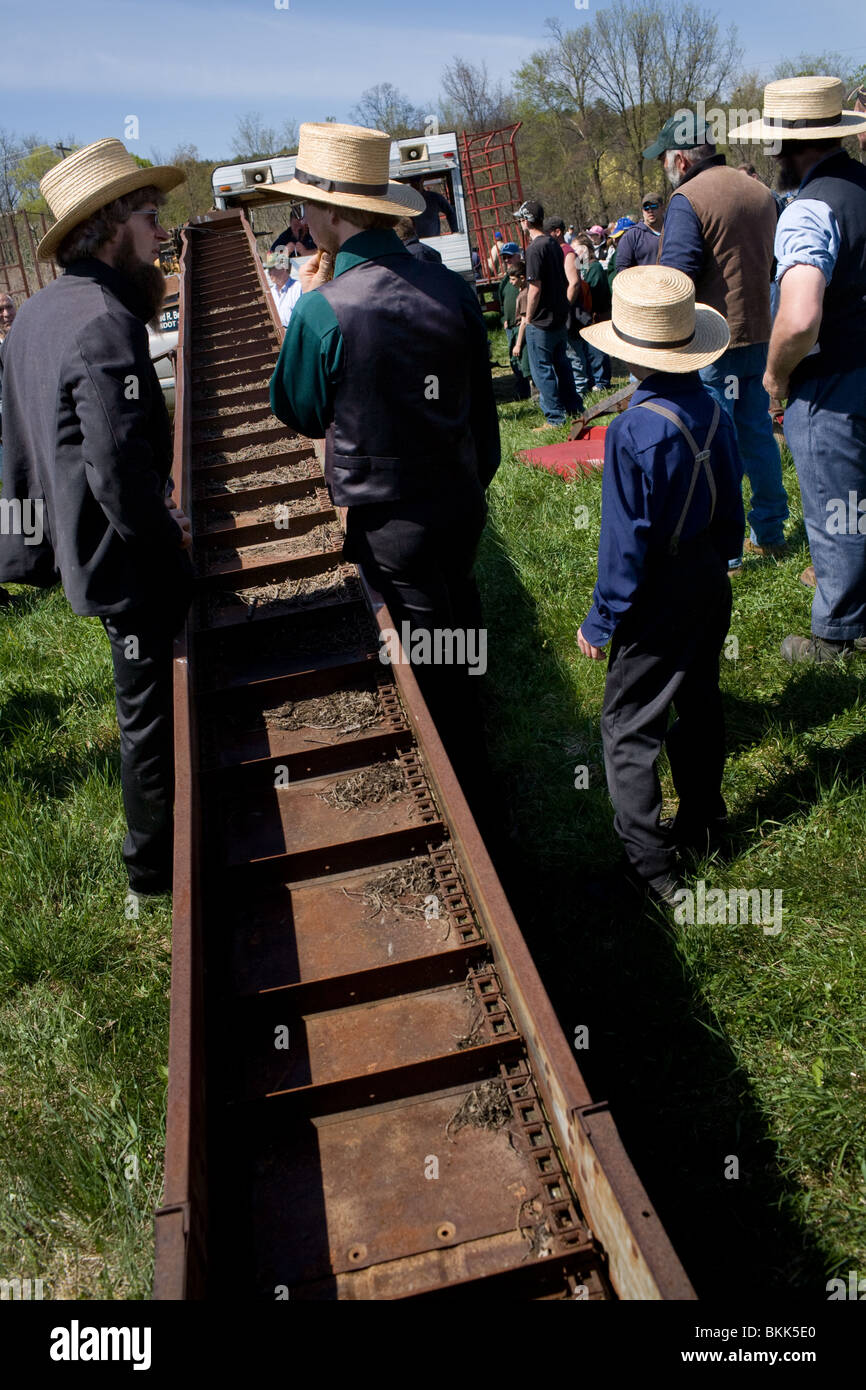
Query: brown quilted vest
738,224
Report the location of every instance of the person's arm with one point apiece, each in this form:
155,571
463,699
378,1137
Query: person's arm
521,334
795,329
625,532
309,360
450,214
682,242
572,275
729,518
806,249
114,387
483,419
533,294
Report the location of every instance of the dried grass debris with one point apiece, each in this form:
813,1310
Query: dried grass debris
378,785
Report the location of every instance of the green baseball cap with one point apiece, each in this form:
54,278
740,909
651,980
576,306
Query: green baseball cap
682,131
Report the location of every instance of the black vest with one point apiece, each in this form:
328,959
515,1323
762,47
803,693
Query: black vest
401,428
840,182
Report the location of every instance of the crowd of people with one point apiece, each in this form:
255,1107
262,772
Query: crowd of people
777,285
385,356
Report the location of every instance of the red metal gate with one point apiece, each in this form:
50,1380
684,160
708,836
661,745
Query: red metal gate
491,180
21,272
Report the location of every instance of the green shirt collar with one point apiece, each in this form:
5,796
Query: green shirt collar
368,246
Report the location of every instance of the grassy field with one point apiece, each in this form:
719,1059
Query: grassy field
83,990
712,1043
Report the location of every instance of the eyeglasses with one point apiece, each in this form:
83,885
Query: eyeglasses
650,207
145,212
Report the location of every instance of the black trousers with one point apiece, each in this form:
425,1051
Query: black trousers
419,555
665,654
141,650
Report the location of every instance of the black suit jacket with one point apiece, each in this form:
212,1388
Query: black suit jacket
86,431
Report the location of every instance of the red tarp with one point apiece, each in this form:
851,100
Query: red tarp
575,456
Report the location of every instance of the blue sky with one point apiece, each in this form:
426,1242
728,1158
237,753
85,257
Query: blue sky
187,69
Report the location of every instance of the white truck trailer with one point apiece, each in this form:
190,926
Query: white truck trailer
435,158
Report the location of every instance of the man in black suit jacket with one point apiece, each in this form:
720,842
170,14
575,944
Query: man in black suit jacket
87,438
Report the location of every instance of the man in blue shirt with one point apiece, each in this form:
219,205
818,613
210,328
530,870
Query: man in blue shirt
671,510
719,229
817,355
639,245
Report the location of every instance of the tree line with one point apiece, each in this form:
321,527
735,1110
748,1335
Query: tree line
589,100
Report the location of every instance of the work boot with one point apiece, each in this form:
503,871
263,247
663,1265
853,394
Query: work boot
700,840
815,649
777,552
808,577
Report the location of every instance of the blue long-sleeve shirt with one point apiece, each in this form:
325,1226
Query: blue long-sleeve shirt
648,468
683,246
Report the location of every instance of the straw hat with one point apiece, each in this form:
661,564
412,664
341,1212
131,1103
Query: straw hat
656,322
802,108
89,179
347,166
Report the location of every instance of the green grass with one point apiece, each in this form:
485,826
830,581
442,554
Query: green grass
708,1040
83,990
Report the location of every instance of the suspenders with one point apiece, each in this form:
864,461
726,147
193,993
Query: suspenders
702,459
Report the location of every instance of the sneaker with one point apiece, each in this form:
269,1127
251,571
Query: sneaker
735,567
808,577
816,649
777,551
536,429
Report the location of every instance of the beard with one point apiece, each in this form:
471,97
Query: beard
787,177
147,280
675,178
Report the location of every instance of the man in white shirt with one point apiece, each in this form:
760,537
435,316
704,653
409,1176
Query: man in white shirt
285,290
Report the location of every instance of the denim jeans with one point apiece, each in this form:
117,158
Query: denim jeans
551,372
577,355
599,366
735,380
825,426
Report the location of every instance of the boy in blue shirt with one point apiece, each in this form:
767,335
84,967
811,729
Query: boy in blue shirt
671,510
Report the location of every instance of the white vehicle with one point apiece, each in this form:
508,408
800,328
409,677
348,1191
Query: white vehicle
431,157
163,342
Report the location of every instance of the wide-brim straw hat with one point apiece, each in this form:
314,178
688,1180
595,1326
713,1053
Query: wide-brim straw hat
656,323
91,178
802,108
348,166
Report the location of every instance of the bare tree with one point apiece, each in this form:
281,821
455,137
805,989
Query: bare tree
255,140
385,107
473,101
649,61
558,83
